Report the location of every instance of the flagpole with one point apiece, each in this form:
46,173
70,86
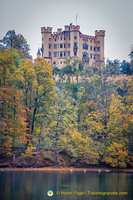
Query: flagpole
76,19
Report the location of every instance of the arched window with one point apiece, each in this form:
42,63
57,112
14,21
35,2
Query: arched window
85,54
85,46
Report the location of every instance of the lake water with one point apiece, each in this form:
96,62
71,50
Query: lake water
34,185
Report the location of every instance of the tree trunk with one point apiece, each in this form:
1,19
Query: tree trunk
34,113
38,146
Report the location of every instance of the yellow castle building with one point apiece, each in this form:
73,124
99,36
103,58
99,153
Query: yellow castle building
70,42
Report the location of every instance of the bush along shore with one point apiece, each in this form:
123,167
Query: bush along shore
45,160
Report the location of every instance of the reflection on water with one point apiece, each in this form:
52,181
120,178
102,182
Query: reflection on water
33,185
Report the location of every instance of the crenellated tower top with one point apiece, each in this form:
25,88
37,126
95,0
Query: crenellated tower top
46,30
100,33
74,28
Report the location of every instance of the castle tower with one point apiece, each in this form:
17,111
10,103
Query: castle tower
47,43
100,43
74,38
38,53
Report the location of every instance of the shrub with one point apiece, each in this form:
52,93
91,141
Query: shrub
27,159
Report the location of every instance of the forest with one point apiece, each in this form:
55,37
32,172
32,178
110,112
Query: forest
78,116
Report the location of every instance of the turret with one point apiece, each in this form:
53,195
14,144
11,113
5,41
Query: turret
46,30
66,28
74,28
59,30
38,53
46,41
99,35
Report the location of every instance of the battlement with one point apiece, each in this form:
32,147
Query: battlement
100,33
46,30
59,30
66,27
74,28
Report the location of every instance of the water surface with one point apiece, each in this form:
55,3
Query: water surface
34,185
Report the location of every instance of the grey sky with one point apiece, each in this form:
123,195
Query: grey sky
114,16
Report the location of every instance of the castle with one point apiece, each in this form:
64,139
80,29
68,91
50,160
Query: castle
70,42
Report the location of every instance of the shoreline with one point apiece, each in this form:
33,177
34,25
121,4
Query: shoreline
68,169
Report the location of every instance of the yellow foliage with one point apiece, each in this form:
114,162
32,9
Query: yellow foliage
53,123
116,155
6,147
30,148
80,147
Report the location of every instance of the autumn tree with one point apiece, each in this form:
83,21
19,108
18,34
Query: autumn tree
61,117
116,155
12,111
43,89
80,148
17,41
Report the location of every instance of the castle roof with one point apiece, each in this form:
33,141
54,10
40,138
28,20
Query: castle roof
38,52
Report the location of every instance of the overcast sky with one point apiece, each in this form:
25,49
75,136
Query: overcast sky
114,16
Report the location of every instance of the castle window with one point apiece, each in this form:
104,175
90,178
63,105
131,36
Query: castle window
49,39
60,62
98,48
54,63
98,56
94,49
69,45
55,54
94,56
64,45
85,54
75,48
64,53
55,46
75,37
64,38
75,52
69,53
61,45
91,48
98,42
49,54
61,53
55,39
85,46
91,55
49,46
69,38
61,38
